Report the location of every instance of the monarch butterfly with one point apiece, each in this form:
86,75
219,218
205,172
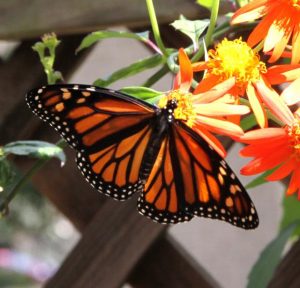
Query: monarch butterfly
128,146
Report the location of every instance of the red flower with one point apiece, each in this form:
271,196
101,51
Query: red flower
252,78
280,23
275,147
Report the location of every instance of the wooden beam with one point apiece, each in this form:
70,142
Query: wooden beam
18,75
110,247
166,264
22,72
22,19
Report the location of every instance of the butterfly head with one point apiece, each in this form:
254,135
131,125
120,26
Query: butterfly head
178,105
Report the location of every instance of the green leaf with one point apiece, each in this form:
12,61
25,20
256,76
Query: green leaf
15,279
131,70
248,122
38,149
261,179
46,51
100,35
205,3
153,100
193,29
143,93
269,259
7,174
291,212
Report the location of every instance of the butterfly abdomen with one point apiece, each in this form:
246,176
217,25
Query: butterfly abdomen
160,128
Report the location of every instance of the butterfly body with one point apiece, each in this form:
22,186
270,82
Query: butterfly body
128,146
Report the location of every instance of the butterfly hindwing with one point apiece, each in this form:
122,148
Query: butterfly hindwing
210,187
161,199
109,130
190,178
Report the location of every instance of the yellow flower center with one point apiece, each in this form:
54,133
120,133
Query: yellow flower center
295,3
294,133
235,59
184,107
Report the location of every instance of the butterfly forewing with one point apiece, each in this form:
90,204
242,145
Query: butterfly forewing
110,130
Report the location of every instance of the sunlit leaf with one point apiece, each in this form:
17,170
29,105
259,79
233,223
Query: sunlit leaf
269,259
193,29
131,70
143,93
291,212
206,3
38,149
100,35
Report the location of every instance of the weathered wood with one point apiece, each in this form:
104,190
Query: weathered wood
24,19
66,188
110,247
288,272
19,74
166,265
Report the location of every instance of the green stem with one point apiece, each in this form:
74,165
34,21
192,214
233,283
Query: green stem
259,47
24,179
155,28
156,76
210,30
270,115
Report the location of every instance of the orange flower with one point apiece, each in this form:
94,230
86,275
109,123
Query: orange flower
252,78
280,23
204,112
275,147
286,74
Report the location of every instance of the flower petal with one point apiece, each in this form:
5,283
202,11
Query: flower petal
199,66
221,109
220,126
211,140
275,34
291,94
214,93
257,107
261,30
264,135
294,182
279,74
296,44
262,148
186,71
249,12
261,164
274,103
281,44
283,171
207,83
